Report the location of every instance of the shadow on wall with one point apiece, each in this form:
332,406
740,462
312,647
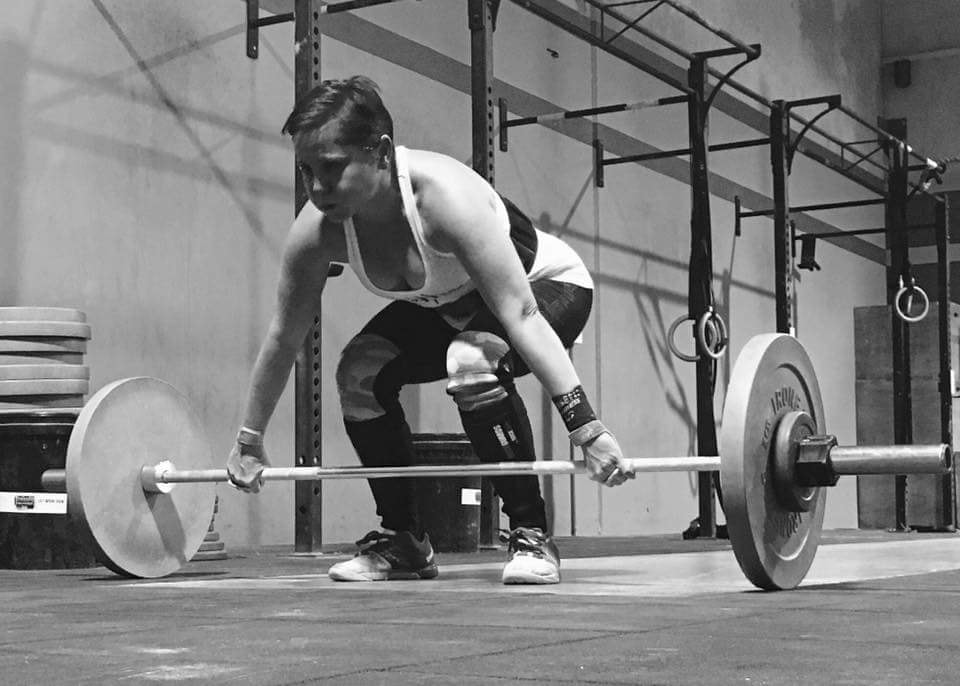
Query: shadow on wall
649,300
15,58
835,34
818,28
167,96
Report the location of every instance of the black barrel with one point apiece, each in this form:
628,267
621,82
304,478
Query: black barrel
448,507
31,535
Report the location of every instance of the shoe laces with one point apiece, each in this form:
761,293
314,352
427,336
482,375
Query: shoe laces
524,540
374,541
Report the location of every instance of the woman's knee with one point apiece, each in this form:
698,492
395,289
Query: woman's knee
476,370
361,362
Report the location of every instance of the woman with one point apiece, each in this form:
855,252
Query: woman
480,297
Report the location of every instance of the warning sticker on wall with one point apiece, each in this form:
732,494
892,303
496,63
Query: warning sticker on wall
469,496
33,503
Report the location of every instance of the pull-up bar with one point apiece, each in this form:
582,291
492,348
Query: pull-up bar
808,241
599,162
738,214
575,114
815,208
866,232
254,21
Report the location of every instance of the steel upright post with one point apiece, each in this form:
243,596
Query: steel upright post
948,481
899,267
482,19
782,233
308,496
701,283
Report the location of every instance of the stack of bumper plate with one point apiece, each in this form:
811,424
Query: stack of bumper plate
42,368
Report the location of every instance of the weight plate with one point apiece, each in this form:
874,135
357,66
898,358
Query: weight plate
41,358
30,402
775,546
43,328
18,372
43,387
47,314
41,344
126,425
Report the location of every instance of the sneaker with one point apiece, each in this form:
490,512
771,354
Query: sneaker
534,558
387,556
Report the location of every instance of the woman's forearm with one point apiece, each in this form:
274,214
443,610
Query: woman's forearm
270,374
540,347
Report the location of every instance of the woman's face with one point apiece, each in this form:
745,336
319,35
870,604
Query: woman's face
339,179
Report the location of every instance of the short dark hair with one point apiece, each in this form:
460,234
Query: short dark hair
354,100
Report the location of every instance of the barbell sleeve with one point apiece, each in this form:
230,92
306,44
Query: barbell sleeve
892,459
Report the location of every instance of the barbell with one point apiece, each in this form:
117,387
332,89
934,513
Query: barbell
137,439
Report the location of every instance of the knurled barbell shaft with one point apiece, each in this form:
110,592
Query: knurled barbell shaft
544,467
892,459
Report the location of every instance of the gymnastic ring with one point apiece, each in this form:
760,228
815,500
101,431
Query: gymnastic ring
720,333
672,344
909,291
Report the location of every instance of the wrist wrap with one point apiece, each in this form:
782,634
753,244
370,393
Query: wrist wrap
574,408
250,437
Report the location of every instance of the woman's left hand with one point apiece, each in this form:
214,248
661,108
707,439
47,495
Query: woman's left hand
605,461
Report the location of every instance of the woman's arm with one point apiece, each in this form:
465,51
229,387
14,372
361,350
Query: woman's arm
303,274
464,214
462,209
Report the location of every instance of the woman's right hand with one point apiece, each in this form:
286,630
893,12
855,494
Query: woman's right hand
245,467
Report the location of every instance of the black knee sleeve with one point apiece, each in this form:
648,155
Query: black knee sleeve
500,432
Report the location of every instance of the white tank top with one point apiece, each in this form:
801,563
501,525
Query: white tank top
445,280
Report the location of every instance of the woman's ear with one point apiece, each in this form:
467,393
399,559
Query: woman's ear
384,152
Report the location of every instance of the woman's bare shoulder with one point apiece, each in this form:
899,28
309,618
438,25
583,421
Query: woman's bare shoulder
445,186
428,167
312,234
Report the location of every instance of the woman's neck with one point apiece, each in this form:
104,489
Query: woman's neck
385,205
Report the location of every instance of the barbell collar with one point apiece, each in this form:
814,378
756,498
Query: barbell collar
54,480
892,459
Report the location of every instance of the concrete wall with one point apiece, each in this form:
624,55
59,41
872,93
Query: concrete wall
152,189
927,35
